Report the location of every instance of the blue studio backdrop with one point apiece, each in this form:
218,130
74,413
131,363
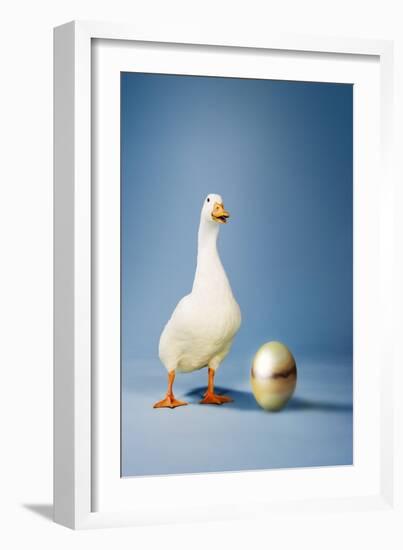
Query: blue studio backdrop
280,153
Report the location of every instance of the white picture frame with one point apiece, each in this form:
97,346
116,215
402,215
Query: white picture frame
88,491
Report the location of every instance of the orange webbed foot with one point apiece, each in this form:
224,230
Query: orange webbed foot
214,399
169,402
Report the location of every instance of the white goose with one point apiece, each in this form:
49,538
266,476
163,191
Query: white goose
203,325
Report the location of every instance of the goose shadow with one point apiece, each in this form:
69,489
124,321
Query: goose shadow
245,401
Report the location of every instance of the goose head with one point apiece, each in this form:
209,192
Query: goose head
213,210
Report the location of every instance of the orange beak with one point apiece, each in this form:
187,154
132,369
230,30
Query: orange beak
219,214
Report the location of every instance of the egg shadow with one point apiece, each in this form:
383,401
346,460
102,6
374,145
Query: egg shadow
301,404
245,401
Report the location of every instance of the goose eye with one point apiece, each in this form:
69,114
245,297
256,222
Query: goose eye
208,200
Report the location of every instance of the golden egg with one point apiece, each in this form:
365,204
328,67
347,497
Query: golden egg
273,376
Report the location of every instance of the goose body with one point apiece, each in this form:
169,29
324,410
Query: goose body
201,329
203,325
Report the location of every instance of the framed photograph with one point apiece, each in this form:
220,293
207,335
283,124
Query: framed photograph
224,250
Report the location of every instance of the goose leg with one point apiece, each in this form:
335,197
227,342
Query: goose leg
169,400
211,398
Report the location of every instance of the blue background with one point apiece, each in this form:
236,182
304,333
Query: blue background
280,153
